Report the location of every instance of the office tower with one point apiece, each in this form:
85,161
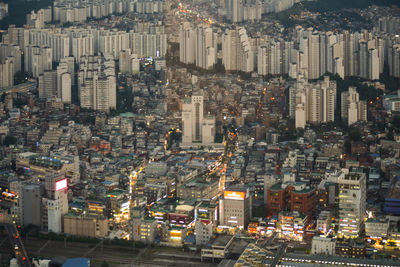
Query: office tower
32,198
48,84
55,204
352,109
352,204
235,207
197,127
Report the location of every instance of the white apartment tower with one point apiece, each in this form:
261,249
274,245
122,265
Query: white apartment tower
97,83
187,44
198,46
314,103
352,109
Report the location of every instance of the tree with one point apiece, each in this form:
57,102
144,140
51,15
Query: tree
10,140
105,264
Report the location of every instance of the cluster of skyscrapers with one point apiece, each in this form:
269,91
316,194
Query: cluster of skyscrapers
68,11
312,53
243,10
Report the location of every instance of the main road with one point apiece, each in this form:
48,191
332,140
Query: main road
18,246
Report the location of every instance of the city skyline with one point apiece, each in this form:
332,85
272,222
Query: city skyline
199,133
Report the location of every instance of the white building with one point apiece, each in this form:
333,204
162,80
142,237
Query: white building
7,73
376,228
312,102
197,127
235,207
55,203
238,52
323,245
203,232
352,108
97,84
352,204
198,46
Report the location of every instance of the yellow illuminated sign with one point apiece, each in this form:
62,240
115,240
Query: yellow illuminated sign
234,195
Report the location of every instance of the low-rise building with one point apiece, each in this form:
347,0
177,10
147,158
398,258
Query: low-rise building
144,230
323,245
81,225
376,228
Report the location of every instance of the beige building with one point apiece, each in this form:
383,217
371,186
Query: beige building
143,230
85,225
235,207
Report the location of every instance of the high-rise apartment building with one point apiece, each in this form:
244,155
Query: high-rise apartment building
352,109
187,44
312,102
97,83
238,51
198,46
